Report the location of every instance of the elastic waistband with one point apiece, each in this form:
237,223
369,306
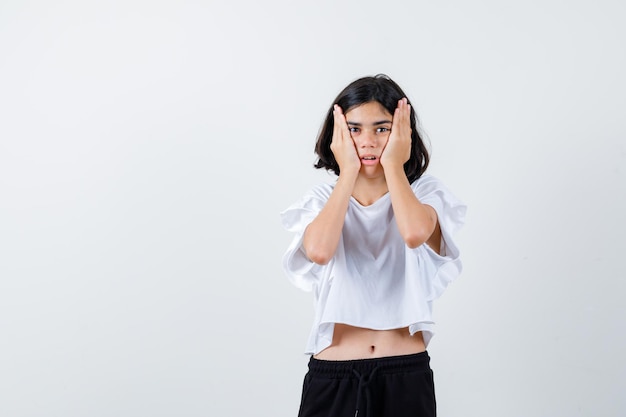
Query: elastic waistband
385,365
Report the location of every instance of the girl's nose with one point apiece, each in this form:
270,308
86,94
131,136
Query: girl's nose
368,140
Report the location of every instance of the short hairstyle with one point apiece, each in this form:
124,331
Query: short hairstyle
382,89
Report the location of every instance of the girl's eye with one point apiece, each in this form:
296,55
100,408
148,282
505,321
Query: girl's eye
382,129
354,129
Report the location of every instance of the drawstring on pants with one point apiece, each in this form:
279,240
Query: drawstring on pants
369,380
364,381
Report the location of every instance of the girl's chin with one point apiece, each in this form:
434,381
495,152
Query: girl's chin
372,171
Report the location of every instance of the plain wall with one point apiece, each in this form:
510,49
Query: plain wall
147,148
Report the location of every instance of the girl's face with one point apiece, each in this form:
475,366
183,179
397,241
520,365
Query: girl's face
370,127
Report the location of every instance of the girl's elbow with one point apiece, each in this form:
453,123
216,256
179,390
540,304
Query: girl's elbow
318,257
415,239
413,243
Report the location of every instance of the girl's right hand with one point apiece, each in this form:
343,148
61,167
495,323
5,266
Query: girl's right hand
342,144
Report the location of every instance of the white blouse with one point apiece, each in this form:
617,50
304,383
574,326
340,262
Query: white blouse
374,280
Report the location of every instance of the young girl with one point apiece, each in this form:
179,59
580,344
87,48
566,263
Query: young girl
376,248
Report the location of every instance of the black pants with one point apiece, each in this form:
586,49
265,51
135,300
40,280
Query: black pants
396,386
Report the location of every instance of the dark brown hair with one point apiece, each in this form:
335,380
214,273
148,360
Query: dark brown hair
381,89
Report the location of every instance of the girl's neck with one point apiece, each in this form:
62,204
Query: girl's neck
368,190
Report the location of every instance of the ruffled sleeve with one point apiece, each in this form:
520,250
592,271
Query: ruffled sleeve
446,266
300,270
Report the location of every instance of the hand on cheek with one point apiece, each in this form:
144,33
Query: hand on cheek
398,148
342,144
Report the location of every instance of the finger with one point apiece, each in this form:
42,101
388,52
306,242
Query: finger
336,122
407,109
404,107
397,115
341,123
402,114
407,115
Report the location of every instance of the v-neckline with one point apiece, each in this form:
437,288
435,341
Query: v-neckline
382,197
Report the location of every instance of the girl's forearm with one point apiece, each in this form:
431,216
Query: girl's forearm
416,221
321,237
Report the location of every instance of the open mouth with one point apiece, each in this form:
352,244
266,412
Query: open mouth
369,158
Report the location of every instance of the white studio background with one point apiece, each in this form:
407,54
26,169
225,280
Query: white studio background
147,148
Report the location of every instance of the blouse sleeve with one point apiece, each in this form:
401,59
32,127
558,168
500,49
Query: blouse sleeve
446,265
300,270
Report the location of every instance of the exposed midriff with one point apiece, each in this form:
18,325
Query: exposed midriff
351,342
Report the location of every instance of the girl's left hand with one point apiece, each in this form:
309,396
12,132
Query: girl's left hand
398,148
